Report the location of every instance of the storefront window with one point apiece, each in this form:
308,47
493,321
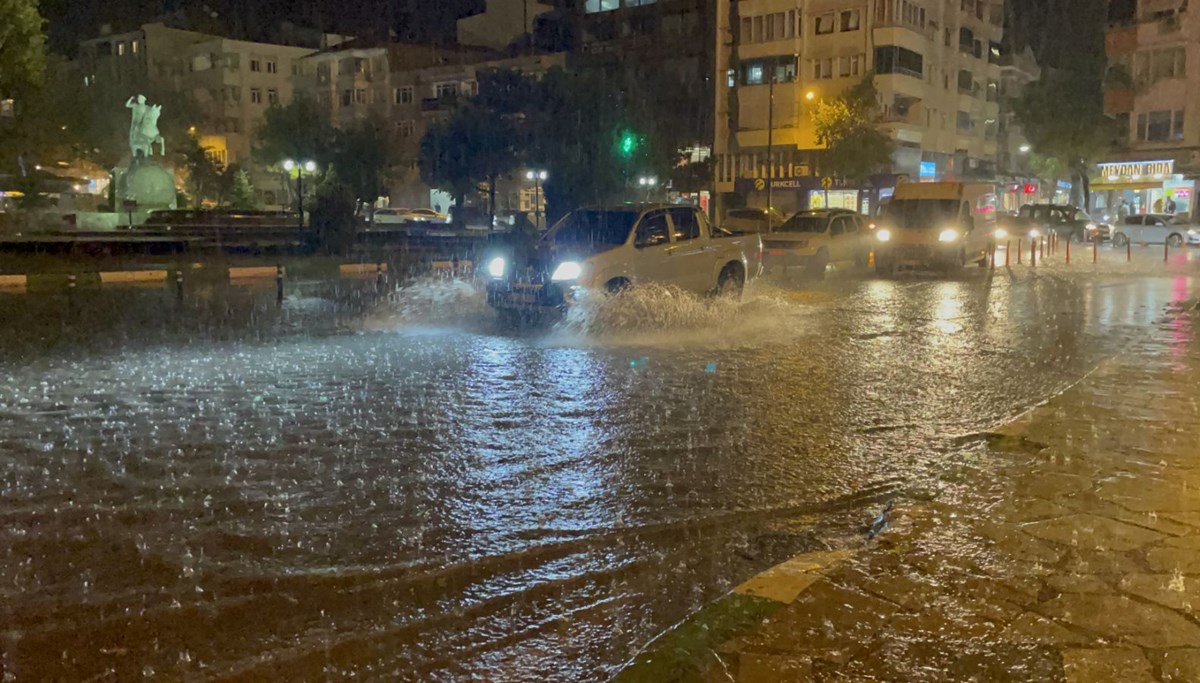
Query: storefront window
838,199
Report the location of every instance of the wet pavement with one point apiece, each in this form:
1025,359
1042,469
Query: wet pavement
227,489
1062,547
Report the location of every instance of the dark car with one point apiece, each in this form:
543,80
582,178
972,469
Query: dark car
1068,221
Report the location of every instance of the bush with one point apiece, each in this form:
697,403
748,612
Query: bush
332,219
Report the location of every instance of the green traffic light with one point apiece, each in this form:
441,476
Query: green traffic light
628,144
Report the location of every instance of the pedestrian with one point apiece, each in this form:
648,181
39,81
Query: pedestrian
1158,205
1123,209
1172,207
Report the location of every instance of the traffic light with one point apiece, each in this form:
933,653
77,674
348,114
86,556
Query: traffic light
628,144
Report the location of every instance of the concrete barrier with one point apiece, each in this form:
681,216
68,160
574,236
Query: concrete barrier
252,272
132,276
361,269
13,283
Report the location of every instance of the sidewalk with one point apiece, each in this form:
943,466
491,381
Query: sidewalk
1065,547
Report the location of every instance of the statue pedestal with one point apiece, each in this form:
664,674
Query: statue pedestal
146,182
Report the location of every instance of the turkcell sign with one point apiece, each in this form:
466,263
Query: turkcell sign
1137,169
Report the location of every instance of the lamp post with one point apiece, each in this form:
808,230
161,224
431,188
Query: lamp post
648,182
538,177
300,168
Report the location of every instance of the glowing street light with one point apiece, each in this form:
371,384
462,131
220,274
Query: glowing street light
1024,149
538,176
300,167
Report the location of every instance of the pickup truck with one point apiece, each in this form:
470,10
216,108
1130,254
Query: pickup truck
1069,222
607,249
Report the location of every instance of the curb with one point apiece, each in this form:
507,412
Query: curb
676,655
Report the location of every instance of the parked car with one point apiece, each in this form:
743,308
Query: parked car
429,216
1155,228
391,216
1068,221
811,240
611,248
944,225
752,220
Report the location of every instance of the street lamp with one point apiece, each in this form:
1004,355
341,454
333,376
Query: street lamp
648,182
1024,149
300,168
538,177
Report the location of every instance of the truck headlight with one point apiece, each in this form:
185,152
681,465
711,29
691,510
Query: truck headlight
497,266
567,270
1092,227
1001,234
1035,233
948,235
883,235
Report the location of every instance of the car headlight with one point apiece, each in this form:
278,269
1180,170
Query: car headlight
883,235
948,235
567,270
1035,233
497,266
1091,227
1001,233
1192,232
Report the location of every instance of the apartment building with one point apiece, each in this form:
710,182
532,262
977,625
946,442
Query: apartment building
937,70
406,89
1153,90
232,81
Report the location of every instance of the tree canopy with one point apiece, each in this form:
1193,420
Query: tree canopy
848,127
1062,116
299,131
22,47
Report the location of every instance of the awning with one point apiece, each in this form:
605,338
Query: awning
1102,187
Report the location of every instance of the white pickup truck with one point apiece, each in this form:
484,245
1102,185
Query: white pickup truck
610,248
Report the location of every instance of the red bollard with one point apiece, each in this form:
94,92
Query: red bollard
1020,249
1007,251
1128,251
1042,247
1095,250
1068,252
1033,249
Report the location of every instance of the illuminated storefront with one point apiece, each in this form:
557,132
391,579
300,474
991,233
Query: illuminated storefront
1145,187
789,195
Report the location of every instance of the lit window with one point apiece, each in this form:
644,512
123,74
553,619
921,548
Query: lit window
360,95
133,47
825,23
120,48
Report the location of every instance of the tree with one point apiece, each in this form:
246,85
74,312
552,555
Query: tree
298,131
848,127
1062,116
203,172
241,192
332,215
22,47
361,157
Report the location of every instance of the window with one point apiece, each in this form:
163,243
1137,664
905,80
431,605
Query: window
790,28
652,231
403,95
1141,127
233,93
746,35
822,69
754,74
255,64
133,47
272,66
121,48
966,84
347,97
965,123
1177,126
272,96
406,129
360,95
825,24
686,227
593,6
1158,128
760,71
757,32
891,59
850,66
446,89
255,95
966,40
851,19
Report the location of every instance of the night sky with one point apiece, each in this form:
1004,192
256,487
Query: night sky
1058,30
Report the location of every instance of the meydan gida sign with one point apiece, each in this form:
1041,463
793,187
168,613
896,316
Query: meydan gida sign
1132,170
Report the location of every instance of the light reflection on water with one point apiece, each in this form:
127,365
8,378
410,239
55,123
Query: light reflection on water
430,497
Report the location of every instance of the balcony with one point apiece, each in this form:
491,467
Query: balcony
438,104
1118,100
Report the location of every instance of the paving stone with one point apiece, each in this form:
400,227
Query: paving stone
1176,554
1119,617
1151,494
1039,629
1079,583
1107,665
1087,531
756,667
1181,666
1176,591
826,620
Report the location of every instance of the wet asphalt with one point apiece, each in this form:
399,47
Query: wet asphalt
340,486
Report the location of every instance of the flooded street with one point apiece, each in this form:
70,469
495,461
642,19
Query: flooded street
335,488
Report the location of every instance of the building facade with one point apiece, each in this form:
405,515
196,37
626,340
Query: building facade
406,89
1153,90
936,66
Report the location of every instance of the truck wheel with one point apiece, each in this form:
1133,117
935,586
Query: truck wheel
816,267
1175,240
1120,239
731,281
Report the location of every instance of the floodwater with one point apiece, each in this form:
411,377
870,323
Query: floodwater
335,487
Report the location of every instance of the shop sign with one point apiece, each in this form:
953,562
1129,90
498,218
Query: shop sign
1131,170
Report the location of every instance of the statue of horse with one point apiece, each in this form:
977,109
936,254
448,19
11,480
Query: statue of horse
143,128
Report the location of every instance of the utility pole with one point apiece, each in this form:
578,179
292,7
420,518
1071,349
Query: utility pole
770,142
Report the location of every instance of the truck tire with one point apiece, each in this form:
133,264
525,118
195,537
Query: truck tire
617,285
1175,240
818,264
731,281
1120,239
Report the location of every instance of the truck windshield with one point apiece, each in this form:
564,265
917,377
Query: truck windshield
921,213
594,227
799,223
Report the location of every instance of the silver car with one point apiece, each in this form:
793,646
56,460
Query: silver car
1156,228
752,220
